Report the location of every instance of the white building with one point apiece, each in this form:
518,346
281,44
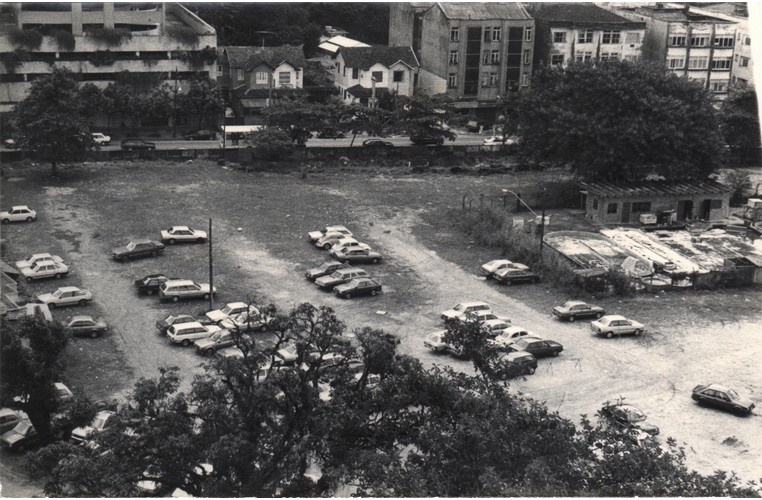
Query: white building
360,70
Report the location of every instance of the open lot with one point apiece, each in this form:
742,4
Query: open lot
261,250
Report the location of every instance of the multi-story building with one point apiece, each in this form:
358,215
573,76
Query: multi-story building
699,46
473,52
742,69
101,42
361,71
576,32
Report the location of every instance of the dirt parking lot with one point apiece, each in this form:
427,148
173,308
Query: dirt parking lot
260,224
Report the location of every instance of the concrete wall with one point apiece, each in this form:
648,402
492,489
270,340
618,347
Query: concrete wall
658,204
401,18
431,84
572,48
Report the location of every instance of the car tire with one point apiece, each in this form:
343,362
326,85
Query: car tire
29,219
609,335
171,241
556,353
52,305
185,343
57,276
20,448
571,319
637,332
535,280
28,279
206,296
376,261
6,221
175,298
507,282
347,295
263,327
93,334
149,292
82,302
154,253
530,370
373,292
327,246
598,315
200,240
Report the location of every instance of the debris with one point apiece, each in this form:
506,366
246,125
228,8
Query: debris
239,229
382,313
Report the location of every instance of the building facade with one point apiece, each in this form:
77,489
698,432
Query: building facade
358,70
576,32
101,43
742,70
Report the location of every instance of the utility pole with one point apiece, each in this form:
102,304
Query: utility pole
542,223
211,270
174,108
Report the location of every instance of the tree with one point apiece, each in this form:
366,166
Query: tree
422,114
270,143
203,101
117,99
51,120
739,122
620,121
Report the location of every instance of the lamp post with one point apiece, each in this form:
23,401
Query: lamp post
174,107
522,201
542,222
211,270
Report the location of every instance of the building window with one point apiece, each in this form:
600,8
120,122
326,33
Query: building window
261,77
631,58
453,57
584,56
219,68
609,56
399,76
355,73
284,78
559,37
632,37
715,204
676,63
557,60
485,57
743,62
595,203
487,34
496,33
585,36
698,62
721,63
454,34
677,41
452,80
485,79
378,76
700,41
723,41
611,208
747,40
641,206
528,33
611,37
493,79
527,56
525,80
719,87
494,57
338,68
239,75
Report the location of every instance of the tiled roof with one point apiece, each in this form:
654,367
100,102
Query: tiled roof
578,14
483,10
249,57
361,92
365,57
244,93
654,188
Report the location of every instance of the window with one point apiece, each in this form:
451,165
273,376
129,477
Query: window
723,41
676,63
595,203
485,57
399,76
610,37
528,34
239,75
378,76
493,79
557,60
496,34
559,37
338,67
525,80
633,57
677,41
261,77
355,73
453,57
487,34
698,62
700,41
454,34
715,204
494,57
284,78
584,56
452,80
612,208
632,37
219,68
721,63
746,40
719,87
641,206
743,62
485,79
585,36
609,56
527,56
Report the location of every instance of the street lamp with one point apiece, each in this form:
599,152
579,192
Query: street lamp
174,106
542,217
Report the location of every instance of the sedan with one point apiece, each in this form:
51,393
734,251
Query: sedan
324,269
377,144
82,434
723,398
65,296
496,265
509,276
175,290
138,248
229,310
512,364
436,342
100,138
174,319
85,326
150,284
357,286
316,235
494,327
499,140
38,257
424,140
137,144
20,213
358,255
9,419
201,135
573,309
183,234
536,346
347,243
628,416
509,335
20,438
45,269
611,325
249,320
329,239
218,340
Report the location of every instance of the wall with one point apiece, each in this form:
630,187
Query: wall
401,18
658,204
431,84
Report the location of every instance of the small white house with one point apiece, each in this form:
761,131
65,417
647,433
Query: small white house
359,70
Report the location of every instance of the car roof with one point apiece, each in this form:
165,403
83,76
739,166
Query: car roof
335,228
236,304
574,303
514,329
473,303
718,387
180,227
70,289
517,354
8,411
500,261
178,282
20,207
495,320
189,324
142,240
347,239
35,255
611,317
81,317
530,338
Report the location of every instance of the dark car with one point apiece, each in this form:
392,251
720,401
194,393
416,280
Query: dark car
536,346
174,319
85,326
325,269
138,248
628,416
201,135
516,363
723,398
426,139
340,276
150,284
573,309
377,143
510,276
137,144
357,286
331,133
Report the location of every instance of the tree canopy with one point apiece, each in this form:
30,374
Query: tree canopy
620,121
739,123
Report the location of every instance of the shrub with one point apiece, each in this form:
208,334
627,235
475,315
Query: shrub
101,58
620,283
111,37
27,39
183,34
12,60
64,40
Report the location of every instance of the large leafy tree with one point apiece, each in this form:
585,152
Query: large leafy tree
117,99
739,122
203,101
51,120
620,121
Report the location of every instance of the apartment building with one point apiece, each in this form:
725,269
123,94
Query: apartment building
742,70
576,32
101,42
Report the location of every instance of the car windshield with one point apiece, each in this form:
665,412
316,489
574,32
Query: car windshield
226,309
170,319
22,427
337,275
458,307
131,246
99,422
733,394
634,414
58,293
521,343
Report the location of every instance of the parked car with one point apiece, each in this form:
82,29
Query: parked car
347,243
331,133
464,307
45,269
316,235
535,346
19,213
628,416
249,320
494,327
377,144
329,239
435,341
357,286
325,269
509,335
101,139
9,418
185,333
227,311
85,326
81,435
493,266
65,296
426,139
63,393
722,397
10,143
138,248
201,135
509,276
150,284
38,257
183,234
174,319
22,437
175,290
479,317
573,309
340,276
230,353
356,255
613,324
137,145
209,345
497,140
512,364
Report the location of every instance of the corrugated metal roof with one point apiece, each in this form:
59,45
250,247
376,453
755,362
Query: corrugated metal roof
343,41
654,188
483,10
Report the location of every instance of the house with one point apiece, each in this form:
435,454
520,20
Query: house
579,32
610,203
362,71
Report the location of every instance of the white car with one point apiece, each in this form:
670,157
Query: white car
493,266
65,296
465,307
509,335
18,213
435,341
182,234
82,434
185,333
498,140
245,321
45,269
494,327
329,239
347,243
100,138
480,317
38,257
175,290
613,324
316,235
231,309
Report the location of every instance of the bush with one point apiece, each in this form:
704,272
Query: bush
64,40
183,34
27,39
12,60
110,37
620,283
101,58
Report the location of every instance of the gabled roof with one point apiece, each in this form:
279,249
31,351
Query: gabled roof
335,43
362,92
483,10
654,188
579,14
248,57
365,57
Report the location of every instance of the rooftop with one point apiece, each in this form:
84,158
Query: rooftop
365,57
579,14
677,15
483,10
654,188
249,57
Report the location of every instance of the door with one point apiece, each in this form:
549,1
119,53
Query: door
706,209
684,210
626,211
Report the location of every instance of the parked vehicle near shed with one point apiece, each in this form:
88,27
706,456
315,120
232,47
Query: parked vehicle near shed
723,398
509,276
45,269
138,248
65,296
573,309
36,258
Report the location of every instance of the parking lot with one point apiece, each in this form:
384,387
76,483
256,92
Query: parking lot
261,250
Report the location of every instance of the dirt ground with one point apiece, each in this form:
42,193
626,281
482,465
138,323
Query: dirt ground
260,222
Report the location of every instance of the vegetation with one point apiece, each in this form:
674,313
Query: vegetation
271,143
111,37
620,121
739,123
202,102
64,40
12,60
25,39
101,58
183,34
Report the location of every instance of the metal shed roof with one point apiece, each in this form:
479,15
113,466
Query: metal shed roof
653,188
